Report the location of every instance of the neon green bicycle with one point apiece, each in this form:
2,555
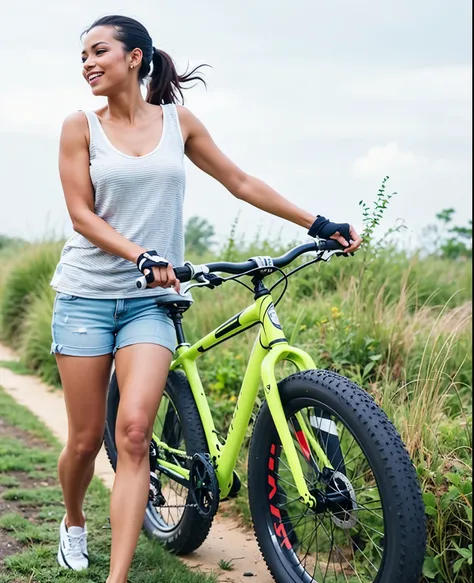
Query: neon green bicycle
332,491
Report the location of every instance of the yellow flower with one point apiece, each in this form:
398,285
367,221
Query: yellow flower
335,313
233,399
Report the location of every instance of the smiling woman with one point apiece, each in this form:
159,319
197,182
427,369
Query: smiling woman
122,172
105,43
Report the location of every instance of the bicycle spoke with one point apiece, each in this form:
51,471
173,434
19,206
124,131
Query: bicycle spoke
283,480
370,538
342,554
282,504
370,510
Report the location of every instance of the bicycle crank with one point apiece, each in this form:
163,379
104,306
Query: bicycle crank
204,486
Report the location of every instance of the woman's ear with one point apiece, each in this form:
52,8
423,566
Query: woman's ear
136,58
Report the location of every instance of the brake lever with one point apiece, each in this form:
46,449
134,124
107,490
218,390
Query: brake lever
210,280
326,255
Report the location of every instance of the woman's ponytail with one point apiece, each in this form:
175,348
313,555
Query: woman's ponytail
165,85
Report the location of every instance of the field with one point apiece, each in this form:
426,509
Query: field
396,323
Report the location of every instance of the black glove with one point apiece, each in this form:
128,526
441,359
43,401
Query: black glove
148,260
324,229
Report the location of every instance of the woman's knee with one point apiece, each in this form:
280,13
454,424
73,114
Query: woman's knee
85,447
132,437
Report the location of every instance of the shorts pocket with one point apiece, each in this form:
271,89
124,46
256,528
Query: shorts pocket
65,297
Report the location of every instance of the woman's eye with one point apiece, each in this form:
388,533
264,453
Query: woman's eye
98,52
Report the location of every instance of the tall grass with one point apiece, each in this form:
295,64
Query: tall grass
398,325
29,271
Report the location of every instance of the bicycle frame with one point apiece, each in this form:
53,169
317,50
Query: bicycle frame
270,347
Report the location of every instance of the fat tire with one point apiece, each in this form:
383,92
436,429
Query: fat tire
404,513
193,528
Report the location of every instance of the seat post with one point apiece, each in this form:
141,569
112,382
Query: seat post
176,314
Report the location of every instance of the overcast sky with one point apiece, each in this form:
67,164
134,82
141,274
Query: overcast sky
319,99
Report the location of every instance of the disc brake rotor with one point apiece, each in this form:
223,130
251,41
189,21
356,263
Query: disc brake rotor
346,517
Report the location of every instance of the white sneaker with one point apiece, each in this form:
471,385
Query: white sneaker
72,552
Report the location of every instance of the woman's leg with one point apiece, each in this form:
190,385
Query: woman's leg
85,381
141,371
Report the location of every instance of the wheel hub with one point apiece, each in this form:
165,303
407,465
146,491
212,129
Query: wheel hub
339,499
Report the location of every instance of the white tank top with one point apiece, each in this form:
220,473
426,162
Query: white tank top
141,198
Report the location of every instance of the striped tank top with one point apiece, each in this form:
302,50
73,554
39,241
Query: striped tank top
141,198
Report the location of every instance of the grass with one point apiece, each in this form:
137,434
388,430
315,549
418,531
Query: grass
397,324
15,366
226,565
28,457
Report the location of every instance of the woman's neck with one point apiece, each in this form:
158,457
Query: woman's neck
126,106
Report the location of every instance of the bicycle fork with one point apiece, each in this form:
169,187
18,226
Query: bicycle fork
304,435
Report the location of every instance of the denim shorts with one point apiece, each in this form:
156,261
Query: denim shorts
93,327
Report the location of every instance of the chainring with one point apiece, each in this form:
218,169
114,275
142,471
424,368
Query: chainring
204,487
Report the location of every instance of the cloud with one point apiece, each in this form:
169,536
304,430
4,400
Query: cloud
386,159
414,84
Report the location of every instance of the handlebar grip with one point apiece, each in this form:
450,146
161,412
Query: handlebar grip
330,245
183,273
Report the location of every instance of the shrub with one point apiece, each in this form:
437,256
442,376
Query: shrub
33,268
36,336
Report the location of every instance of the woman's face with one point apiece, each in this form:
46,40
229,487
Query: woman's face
106,65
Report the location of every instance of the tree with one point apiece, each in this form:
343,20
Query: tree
9,242
447,240
198,235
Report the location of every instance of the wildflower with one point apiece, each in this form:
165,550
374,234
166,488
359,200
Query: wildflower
335,313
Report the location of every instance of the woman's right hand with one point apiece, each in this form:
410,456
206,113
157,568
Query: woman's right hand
163,277
157,270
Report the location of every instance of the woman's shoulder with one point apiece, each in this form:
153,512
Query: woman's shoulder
76,127
75,119
184,113
78,119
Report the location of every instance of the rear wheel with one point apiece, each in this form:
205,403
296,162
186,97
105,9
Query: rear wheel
369,526
177,523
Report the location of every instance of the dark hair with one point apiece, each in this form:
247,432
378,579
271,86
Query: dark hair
165,84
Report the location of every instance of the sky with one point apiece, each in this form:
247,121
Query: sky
321,100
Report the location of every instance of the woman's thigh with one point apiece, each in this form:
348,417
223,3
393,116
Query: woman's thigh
142,370
83,340
85,381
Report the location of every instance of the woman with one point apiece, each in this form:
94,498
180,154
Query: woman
123,178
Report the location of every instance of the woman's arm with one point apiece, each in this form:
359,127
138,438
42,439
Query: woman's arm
203,152
78,191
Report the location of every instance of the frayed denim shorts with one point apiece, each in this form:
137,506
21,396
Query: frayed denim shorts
94,327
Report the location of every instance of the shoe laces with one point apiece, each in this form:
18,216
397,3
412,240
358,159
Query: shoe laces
76,543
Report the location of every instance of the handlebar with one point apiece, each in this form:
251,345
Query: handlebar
185,273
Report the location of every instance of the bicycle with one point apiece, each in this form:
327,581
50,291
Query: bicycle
333,493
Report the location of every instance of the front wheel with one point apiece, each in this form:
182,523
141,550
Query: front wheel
369,524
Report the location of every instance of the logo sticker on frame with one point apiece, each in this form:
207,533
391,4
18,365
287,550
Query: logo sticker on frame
273,317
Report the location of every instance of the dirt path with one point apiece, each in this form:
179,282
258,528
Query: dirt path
226,541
